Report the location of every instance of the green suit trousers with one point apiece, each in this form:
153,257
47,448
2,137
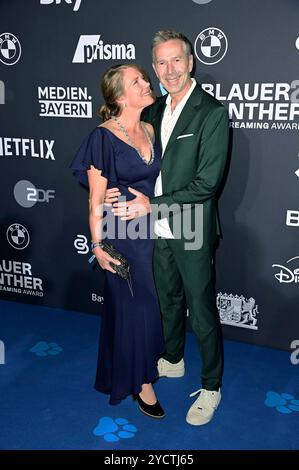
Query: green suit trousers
184,280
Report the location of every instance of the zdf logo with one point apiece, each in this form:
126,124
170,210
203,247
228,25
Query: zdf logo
27,195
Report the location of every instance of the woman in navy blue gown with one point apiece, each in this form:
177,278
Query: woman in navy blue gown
122,153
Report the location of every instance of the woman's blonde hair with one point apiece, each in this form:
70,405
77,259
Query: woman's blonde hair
112,89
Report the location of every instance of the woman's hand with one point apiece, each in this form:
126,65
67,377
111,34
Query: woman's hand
111,196
104,259
137,207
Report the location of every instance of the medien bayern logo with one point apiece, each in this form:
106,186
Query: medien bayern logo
10,49
76,3
201,2
91,47
67,102
210,46
18,236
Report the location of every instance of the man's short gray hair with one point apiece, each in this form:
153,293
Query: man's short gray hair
168,35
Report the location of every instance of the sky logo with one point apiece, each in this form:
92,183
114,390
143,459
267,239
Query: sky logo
77,3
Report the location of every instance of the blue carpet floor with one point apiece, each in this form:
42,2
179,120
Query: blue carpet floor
48,400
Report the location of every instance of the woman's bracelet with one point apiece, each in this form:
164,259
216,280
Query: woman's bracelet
95,244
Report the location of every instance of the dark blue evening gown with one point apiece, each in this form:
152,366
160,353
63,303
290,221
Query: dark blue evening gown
131,339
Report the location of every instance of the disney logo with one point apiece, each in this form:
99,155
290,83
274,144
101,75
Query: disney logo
286,275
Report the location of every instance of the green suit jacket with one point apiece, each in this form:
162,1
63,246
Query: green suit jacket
193,163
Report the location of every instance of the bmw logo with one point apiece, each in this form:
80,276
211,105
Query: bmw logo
10,49
210,46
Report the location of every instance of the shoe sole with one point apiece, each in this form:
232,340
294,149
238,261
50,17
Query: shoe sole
173,375
151,416
202,422
199,424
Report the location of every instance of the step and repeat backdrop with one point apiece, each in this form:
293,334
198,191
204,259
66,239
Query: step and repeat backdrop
52,56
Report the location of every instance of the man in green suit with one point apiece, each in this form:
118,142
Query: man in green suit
192,128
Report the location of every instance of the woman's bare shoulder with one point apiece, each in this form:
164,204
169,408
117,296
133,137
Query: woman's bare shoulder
109,124
150,130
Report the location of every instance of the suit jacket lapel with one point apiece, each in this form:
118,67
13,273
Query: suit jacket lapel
156,121
186,116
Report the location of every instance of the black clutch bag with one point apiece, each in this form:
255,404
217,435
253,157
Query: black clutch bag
122,269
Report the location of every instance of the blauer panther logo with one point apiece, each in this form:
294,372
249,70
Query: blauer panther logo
112,430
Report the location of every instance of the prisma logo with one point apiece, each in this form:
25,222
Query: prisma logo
27,195
90,48
77,3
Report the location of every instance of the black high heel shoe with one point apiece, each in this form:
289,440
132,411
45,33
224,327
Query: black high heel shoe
154,411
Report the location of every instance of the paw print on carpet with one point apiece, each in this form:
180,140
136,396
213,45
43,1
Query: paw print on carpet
42,348
283,402
113,430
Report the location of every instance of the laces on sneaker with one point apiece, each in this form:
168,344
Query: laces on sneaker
206,397
195,393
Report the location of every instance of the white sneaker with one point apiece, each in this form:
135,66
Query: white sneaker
203,409
167,369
